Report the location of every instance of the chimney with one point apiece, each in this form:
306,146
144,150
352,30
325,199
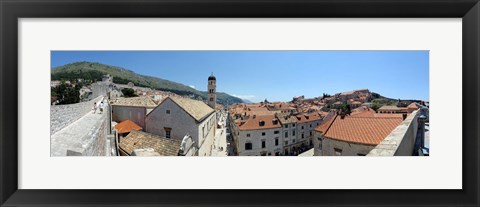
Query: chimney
404,116
342,116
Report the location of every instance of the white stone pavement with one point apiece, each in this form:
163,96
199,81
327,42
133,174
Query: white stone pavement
78,135
220,143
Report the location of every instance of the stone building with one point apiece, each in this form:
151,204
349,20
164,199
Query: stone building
134,109
176,117
113,94
212,87
305,126
354,135
258,136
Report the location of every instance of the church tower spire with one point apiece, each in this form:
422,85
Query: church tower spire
212,90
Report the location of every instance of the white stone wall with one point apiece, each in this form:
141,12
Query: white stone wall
256,140
288,141
181,124
348,149
206,140
86,137
135,114
63,115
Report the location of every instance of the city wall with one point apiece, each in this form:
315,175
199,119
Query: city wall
64,115
401,141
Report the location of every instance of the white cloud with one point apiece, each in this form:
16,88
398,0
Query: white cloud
244,96
192,86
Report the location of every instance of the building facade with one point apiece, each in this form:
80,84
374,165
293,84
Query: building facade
134,109
176,117
258,136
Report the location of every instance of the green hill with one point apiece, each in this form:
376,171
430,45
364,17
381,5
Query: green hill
95,71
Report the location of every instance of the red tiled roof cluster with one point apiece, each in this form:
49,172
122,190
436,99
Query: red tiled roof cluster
359,129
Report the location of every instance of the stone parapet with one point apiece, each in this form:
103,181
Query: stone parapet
401,141
64,115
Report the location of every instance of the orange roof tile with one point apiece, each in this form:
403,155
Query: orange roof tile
412,106
309,117
127,126
269,122
324,127
361,130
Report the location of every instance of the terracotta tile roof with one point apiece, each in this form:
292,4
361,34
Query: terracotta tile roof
197,109
325,125
309,117
412,106
269,122
389,108
364,111
361,130
286,119
143,101
143,140
127,126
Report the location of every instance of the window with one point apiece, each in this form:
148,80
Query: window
263,133
263,144
248,146
293,140
277,153
168,111
276,132
211,99
293,133
248,135
285,126
320,144
286,134
317,123
303,136
359,154
302,127
168,132
310,133
293,125
338,152
286,142
276,141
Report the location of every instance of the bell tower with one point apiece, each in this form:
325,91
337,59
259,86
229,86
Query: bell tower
212,89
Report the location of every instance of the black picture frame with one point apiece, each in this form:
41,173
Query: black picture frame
10,11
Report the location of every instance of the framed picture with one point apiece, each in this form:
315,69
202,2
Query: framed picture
158,103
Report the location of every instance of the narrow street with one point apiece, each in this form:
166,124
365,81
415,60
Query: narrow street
220,143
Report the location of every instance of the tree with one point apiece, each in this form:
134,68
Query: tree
128,92
66,93
375,107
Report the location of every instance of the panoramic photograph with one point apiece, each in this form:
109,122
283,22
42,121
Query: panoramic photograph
239,103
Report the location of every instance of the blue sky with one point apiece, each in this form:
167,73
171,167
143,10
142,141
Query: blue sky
276,75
